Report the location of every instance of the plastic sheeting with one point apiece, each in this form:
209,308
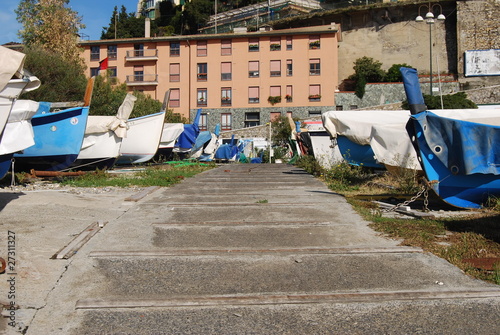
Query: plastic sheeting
12,62
464,147
117,124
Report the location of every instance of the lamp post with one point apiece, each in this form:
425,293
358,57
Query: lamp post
429,19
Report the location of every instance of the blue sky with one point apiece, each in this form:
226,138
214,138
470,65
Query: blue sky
95,15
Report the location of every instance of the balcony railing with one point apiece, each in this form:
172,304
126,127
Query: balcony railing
142,79
141,55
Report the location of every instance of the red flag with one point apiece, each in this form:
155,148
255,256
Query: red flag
103,65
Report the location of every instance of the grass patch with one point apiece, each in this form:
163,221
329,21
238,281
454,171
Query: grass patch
161,175
453,239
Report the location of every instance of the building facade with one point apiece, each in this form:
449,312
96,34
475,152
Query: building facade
239,80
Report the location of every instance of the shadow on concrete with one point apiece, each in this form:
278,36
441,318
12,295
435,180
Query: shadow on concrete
7,197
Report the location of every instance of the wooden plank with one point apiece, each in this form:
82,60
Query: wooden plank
268,299
79,241
142,194
187,252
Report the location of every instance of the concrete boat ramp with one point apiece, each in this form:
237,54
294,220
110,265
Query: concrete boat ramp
241,249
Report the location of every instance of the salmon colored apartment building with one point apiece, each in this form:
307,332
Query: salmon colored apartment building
239,80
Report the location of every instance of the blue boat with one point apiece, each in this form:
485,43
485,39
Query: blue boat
58,139
460,156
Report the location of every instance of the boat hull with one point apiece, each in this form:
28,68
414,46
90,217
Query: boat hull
143,138
58,139
457,178
99,151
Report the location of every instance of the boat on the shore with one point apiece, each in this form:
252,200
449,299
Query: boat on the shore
353,131
143,138
459,152
103,137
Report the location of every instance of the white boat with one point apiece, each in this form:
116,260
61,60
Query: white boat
169,136
103,138
353,132
324,151
143,138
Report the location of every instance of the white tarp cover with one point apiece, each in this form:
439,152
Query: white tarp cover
117,124
11,61
170,133
18,133
385,131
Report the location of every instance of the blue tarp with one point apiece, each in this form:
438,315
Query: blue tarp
464,147
188,137
412,90
227,151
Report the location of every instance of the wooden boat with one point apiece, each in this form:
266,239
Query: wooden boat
459,153
103,138
353,132
143,138
169,136
58,138
18,133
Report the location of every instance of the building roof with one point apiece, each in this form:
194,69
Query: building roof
331,28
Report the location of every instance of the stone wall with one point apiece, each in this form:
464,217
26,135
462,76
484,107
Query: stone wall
379,94
478,27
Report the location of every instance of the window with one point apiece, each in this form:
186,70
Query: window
314,93
175,49
95,52
225,71
201,97
225,96
139,73
314,67
275,91
175,98
353,107
253,69
289,93
225,121
175,72
275,68
253,94
314,42
201,48
112,50
289,45
139,50
252,119
275,44
225,47
275,116
202,72
203,124
112,71
253,44
314,113
339,108
289,67
274,95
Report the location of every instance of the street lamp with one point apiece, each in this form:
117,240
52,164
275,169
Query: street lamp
429,19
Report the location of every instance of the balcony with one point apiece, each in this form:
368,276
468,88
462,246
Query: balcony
141,55
142,80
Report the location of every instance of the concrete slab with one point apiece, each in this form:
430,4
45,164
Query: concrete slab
307,264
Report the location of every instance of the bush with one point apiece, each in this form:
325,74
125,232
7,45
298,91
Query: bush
393,74
61,80
450,101
366,70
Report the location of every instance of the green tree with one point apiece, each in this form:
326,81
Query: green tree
51,25
366,70
108,96
450,101
127,25
194,15
60,79
393,74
